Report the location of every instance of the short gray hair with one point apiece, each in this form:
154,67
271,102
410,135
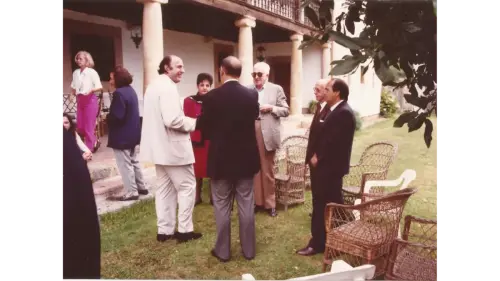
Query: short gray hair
264,66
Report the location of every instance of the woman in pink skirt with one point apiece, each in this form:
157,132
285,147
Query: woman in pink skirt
85,83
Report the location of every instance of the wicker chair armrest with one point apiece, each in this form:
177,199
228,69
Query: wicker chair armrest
410,219
344,209
399,241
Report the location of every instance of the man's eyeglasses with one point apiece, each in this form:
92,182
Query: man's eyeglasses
258,74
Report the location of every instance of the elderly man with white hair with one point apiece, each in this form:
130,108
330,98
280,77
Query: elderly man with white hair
273,106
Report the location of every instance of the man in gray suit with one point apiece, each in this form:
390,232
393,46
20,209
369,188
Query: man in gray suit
228,121
273,106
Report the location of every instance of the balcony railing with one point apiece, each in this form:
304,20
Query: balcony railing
289,9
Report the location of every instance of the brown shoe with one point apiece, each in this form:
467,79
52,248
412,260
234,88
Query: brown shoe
307,251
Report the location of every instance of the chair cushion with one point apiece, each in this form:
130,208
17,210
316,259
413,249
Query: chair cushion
360,233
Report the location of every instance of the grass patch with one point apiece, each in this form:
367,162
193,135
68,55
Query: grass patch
130,249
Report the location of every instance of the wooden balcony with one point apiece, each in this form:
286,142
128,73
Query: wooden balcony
288,9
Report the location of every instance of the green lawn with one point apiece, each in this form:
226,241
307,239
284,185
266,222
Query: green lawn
130,249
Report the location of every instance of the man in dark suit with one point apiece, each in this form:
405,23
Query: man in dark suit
330,160
228,120
320,113
124,135
81,232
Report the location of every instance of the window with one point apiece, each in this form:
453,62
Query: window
101,48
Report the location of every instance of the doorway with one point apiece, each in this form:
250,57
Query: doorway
221,51
281,73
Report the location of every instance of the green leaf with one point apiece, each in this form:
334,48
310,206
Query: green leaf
349,24
386,73
348,42
312,16
325,10
428,132
404,118
417,100
364,69
346,66
416,123
407,68
355,52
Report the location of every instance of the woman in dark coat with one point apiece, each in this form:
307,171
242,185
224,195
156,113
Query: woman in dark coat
192,108
81,233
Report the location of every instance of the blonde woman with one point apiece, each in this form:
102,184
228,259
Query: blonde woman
85,83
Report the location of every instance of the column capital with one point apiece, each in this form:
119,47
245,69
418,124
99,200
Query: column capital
326,45
245,21
152,1
297,37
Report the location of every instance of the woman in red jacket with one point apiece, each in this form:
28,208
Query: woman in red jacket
192,108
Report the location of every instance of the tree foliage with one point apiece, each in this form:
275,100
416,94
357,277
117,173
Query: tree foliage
398,40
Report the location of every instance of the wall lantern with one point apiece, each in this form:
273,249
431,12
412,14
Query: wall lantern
136,35
261,53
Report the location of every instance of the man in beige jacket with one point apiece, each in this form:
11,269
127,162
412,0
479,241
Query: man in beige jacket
273,106
166,143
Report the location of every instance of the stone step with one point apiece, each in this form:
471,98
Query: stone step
104,169
114,186
105,206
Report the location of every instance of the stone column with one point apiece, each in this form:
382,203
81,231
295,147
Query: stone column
325,60
152,39
245,48
296,77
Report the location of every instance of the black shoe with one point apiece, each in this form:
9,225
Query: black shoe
258,208
164,237
143,191
216,256
184,237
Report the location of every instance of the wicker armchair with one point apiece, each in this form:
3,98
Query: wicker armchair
289,171
373,165
308,171
364,238
414,257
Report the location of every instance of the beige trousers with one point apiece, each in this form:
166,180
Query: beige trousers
264,180
175,185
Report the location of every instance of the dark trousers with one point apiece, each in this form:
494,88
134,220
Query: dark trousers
326,188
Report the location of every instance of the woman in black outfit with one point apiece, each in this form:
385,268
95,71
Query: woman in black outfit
81,233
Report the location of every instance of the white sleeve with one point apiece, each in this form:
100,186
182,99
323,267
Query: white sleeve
96,80
172,113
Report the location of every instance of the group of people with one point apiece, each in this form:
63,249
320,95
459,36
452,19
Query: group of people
228,134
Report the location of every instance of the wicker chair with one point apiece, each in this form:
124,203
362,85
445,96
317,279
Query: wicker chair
308,171
364,238
414,257
373,165
289,171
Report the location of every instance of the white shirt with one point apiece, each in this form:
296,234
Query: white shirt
322,105
85,81
230,79
335,105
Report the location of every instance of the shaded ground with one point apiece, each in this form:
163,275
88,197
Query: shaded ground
129,248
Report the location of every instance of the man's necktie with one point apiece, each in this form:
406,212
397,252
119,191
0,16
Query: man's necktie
324,113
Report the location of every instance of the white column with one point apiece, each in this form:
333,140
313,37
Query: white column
325,60
245,48
296,77
152,39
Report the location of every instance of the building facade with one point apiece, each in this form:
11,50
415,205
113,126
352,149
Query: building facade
138,33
